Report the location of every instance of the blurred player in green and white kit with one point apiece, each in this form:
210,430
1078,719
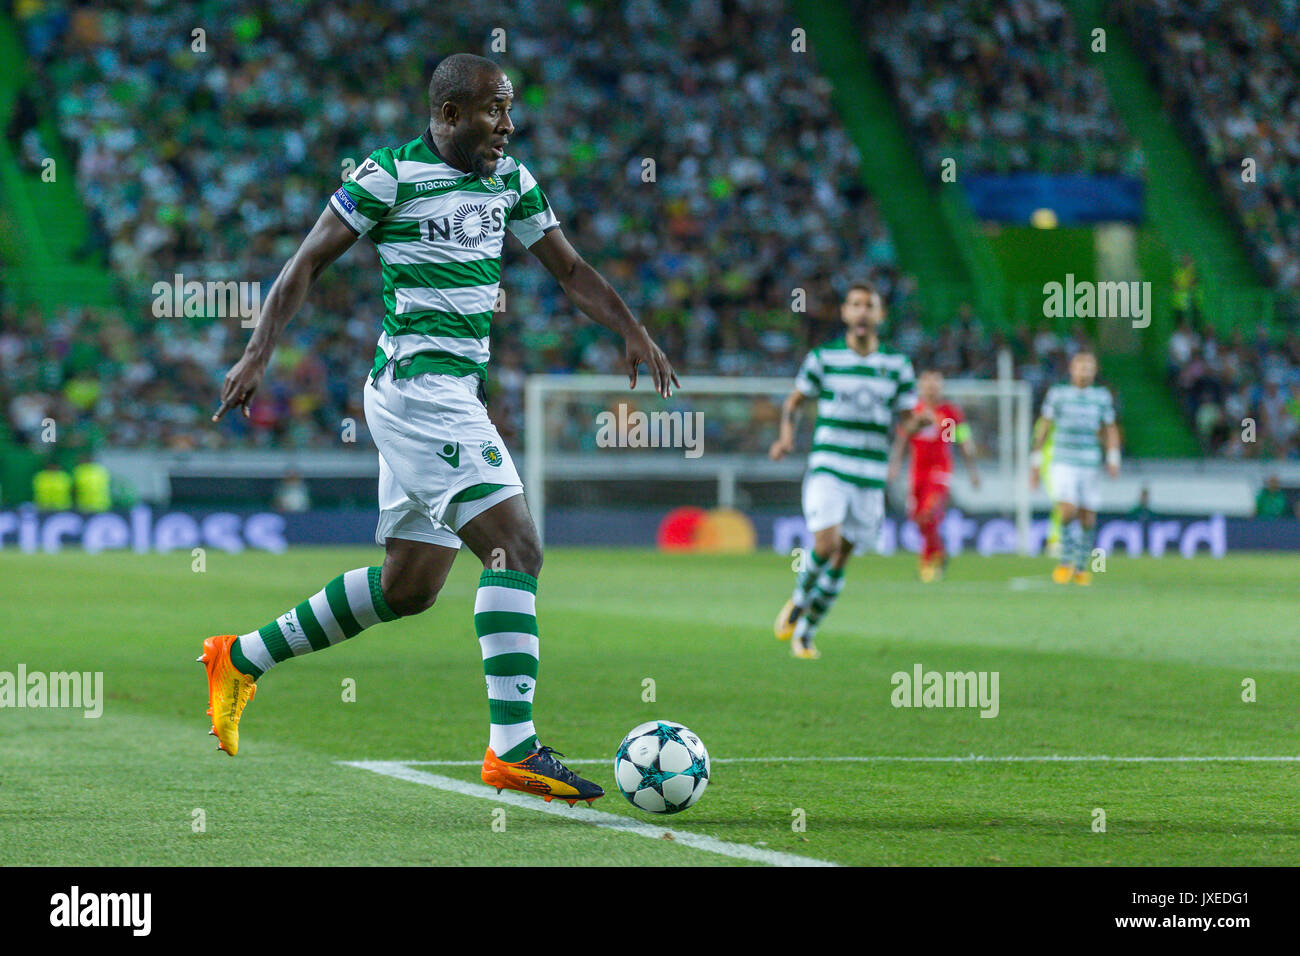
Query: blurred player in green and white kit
858,387
1081,418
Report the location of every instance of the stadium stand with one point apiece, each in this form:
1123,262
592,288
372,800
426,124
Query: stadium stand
212,164
1232,71
207,197
1000,87
1225,382
1227,74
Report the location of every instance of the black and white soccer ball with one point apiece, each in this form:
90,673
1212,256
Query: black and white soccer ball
661,767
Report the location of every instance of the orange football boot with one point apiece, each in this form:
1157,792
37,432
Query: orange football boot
805,650
786,620
540,774
229,692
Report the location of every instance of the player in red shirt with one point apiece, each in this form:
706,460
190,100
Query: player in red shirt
935,426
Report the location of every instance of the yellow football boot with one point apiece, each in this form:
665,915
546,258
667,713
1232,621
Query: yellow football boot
1083,578
786,620
805,650
1062,573
229,692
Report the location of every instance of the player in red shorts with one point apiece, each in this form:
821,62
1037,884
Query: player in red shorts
935,426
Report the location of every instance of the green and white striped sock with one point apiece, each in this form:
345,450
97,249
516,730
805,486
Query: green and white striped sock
1087,536
1071,543
344,608
806,579
505,618
823,594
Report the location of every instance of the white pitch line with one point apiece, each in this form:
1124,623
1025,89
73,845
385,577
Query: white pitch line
887,758
610,821
1033,584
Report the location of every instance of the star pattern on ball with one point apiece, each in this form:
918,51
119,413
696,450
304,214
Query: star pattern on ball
642,779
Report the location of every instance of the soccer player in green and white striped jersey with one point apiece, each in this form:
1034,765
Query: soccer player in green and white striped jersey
437,208
1080,417
859,388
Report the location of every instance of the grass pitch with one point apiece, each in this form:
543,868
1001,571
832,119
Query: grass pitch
1149,662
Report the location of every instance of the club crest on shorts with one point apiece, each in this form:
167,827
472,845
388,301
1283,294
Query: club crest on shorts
450,454
491,454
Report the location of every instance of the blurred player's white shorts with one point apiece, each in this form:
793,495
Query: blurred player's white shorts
830,501
435,440
1076,485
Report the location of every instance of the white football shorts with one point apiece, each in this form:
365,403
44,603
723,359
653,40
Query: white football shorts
435,440
829,501
1076,485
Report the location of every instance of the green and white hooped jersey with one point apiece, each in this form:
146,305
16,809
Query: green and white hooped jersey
1077,415
857,396
440,234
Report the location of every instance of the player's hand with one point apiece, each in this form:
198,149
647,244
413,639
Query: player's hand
1112,469
1033,477
975,480
892,474
241,382
780,448
640,348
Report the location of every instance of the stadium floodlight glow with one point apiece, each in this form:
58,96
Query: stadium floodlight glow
1043,218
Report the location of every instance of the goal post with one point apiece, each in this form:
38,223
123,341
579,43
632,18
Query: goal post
589,436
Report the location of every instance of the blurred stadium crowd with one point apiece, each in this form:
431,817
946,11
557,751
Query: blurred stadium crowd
1232,73
213,164
1241,392
1000,87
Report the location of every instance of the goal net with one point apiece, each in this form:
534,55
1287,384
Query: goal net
590,442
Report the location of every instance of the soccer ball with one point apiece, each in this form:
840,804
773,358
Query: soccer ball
661,767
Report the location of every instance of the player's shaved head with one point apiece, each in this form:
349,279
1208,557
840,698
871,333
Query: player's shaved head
460,79
469,112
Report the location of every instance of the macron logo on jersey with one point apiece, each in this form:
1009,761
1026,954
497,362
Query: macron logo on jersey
345,200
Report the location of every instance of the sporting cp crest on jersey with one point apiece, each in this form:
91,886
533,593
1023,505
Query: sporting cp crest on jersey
494,183
491,454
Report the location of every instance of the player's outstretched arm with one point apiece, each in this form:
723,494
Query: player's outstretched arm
1110,438
588,290
784,443
898,450
328,240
